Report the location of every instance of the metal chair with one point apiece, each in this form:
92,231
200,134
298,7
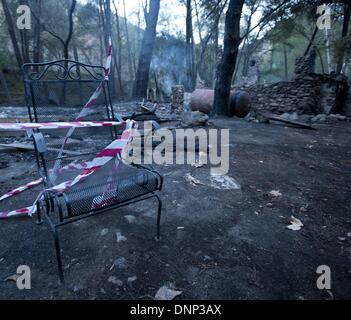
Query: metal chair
57,91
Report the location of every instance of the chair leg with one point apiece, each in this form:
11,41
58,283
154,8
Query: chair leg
57,249
58,254
158,236
39,217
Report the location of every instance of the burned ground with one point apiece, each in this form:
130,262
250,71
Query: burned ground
216,244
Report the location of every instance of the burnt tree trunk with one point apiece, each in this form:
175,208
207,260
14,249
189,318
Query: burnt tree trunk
37,33
11,28
226,67
3,83
189,49
70,30
24,39
345,29
130,60
286,72
118,56
147,48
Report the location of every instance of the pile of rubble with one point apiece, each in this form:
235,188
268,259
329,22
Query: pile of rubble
178,95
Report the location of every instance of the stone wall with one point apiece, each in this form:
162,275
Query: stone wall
301,96
309,93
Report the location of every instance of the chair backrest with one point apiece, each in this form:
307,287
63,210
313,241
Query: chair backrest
58,90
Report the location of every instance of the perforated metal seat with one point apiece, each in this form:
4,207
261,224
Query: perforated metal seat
123,185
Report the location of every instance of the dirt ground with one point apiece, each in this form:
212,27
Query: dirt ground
216,244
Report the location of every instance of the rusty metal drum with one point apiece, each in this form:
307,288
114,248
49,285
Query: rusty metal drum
240,104
202,100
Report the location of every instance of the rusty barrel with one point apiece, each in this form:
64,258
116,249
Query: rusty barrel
202,100
240,104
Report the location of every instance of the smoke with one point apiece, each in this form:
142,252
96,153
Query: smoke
168,63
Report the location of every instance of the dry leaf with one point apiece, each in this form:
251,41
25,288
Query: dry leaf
120,237
192,180
165,293
275,193
296,224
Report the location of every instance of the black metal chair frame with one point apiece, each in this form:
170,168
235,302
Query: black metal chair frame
51,202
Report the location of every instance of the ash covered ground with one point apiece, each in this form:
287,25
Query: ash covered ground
216,243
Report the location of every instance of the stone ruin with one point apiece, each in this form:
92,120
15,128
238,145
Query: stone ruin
308,93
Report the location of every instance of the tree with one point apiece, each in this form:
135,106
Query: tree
64,42
11,28
147,47
345,30
37,33
189,50
226,67
126,30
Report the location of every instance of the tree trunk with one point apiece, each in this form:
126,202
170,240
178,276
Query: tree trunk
70,30
147,48
107,35
5,87
101,40
285,62
345,29
130,60
311,42
24,39
226,67
12,33
118,56
216,47
37,32
189,50
119,38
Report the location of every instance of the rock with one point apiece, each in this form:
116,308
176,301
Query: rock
337,117
290,116
115,281
305,118
319,118
166,293
120,263
132,279
130,219
195,118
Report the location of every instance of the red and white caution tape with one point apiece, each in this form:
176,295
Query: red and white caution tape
87,108
117,148
17,213
19,190
56,125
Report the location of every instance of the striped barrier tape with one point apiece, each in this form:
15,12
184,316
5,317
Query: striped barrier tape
87,108
117,148
56,125
59,125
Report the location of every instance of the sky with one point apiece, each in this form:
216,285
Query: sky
172,14
171,19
